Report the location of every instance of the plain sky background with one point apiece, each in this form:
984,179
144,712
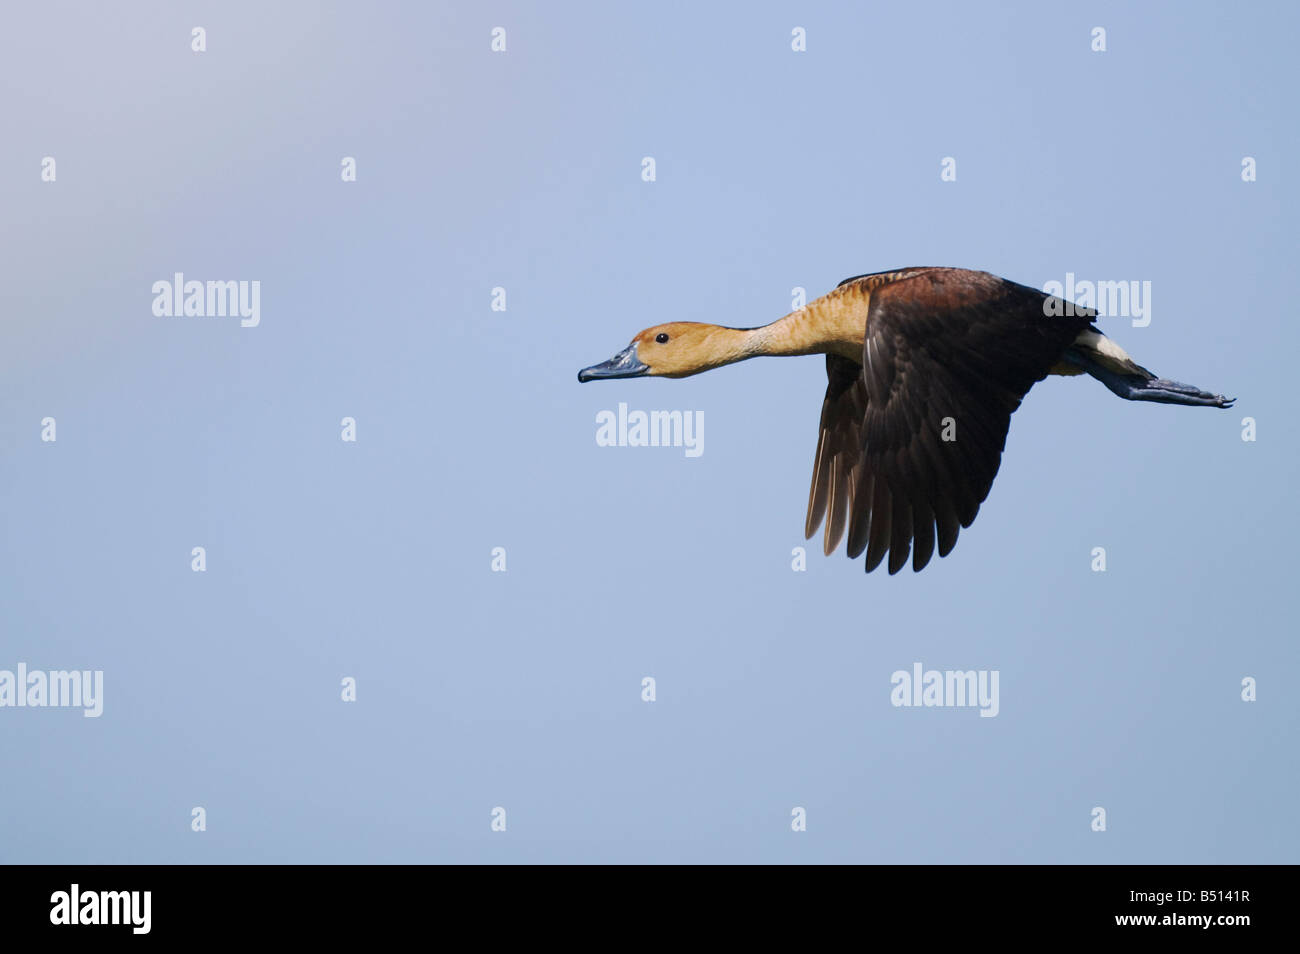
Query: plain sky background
477,689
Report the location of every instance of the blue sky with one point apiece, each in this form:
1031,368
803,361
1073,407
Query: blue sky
372,559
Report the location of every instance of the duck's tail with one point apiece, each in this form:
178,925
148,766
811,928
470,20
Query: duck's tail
1110,364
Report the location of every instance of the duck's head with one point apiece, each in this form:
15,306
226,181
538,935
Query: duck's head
675,350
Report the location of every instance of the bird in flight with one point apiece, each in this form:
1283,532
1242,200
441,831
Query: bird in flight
924,368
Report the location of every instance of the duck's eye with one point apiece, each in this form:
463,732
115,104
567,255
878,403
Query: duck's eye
662,338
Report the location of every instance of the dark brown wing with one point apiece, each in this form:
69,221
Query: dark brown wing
911,439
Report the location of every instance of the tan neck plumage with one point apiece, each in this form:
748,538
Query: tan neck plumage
835,323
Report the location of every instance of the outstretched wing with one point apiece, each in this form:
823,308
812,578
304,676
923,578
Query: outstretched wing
912,437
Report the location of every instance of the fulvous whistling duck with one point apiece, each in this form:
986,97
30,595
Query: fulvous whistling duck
925,367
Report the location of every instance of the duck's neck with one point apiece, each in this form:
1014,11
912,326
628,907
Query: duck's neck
832,324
